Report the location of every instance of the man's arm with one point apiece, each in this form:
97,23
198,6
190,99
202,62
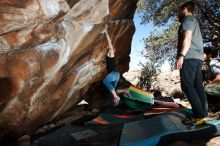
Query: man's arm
217,79
187,38
111,51
187,35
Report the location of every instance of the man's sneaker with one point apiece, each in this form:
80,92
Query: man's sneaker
194,121
199,121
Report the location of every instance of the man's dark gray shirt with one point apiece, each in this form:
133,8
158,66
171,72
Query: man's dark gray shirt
196,49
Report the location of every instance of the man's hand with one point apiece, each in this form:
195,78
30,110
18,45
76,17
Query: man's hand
179,63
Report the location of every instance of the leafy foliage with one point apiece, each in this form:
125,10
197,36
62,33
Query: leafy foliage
209,17
147,73
161,46
158,11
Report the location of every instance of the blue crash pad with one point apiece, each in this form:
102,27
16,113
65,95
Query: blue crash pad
165,128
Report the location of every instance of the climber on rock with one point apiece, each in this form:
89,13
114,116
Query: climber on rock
113,76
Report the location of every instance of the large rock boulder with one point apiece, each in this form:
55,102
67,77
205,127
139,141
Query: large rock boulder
52,52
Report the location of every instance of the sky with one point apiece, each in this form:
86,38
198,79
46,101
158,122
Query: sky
142,31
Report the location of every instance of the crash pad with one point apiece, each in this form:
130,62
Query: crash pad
122,114
166,99
158,111
165,104
164,128
113,119
138,99
121,109
69,135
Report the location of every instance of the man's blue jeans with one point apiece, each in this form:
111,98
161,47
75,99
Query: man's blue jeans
192,84
111,80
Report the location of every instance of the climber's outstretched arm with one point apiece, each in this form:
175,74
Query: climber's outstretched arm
111,51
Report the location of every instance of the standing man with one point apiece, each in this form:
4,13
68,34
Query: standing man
113,76
190,60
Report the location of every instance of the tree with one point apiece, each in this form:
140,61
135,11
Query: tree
209,17
147,73
162,45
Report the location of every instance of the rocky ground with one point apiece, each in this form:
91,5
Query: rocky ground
60,121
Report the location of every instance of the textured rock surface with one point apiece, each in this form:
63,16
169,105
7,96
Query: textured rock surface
52,52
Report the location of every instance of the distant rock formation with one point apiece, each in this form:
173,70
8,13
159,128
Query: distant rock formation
52,52
167,82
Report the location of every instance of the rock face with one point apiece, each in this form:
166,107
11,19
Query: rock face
52,52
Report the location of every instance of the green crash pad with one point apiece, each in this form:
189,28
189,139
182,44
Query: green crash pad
164,129
138,99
